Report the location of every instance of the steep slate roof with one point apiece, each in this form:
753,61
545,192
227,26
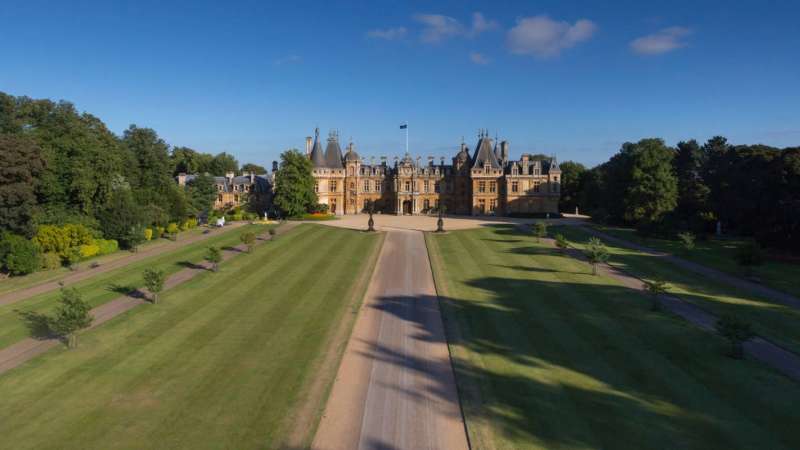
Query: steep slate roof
333,153
484,153
317,157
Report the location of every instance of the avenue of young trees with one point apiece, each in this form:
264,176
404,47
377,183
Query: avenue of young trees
751,190
60,167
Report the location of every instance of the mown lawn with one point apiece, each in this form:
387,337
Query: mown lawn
17,283
19,320
720,254
221,362
773,320
548,356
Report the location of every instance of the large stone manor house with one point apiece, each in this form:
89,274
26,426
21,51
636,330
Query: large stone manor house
483,182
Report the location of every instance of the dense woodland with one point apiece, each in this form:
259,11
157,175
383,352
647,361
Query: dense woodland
751,190
65,173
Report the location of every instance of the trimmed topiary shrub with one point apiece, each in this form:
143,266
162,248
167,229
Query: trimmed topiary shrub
148,234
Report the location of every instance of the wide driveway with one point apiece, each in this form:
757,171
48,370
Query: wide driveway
395,388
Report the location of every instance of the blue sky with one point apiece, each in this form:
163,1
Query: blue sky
572,78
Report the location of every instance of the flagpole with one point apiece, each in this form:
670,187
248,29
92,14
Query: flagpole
406,137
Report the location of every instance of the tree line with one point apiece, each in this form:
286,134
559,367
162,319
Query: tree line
59,167
749,190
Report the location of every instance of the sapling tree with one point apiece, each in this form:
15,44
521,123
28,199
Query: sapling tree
214,256
736,331
540,230
749,255
561,242
72,315
154,282
596,252
687,239
272,233
248,238
655,288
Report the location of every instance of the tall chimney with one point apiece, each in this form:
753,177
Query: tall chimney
308,145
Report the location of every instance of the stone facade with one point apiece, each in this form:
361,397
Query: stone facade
233,191
485,183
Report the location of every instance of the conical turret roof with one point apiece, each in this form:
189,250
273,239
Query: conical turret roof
333,153
317,157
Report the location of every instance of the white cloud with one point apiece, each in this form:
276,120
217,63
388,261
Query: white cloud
478,58
388,33
291,59
481,24
544,37
663,41
438,27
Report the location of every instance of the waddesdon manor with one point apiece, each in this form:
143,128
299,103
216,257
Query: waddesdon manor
485,182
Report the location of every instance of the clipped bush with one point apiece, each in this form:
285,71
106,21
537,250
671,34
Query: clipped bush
106,246
50,261
88,250
148,234
21,256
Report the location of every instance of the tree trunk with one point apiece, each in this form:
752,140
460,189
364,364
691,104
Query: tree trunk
594,269
72,340
155,298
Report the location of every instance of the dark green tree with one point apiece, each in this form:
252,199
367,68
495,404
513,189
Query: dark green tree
653,188
201,194
19,256
571,176
693,194
71,316
656,288
223,163
189,161
540,230
21,164
121,218
294,184
254,168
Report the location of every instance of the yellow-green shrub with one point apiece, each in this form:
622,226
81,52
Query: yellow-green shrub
106,246
172,228
88,250
51,261
148,234
55,239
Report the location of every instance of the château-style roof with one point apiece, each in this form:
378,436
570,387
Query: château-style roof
351,154
484,153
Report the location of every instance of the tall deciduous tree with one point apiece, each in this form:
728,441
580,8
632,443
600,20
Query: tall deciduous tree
121,218
223,163
294,184
201,193
571,176
653,189
254,168
692,191
20,164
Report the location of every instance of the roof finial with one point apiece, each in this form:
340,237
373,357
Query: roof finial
316,133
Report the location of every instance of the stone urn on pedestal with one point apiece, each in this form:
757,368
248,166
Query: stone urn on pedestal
370,222
440,221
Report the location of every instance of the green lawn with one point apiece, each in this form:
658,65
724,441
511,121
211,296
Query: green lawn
17,283
770,319
221,362
548,356
18,320
719,254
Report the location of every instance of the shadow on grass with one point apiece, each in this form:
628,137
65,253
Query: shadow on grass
38,324
191,265
231,248
561,364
